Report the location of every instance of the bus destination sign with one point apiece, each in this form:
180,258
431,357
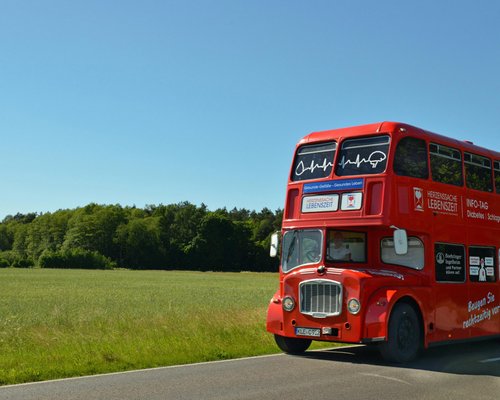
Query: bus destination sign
334,186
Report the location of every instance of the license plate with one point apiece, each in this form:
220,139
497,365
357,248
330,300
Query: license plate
314,332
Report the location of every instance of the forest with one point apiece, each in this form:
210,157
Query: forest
180,236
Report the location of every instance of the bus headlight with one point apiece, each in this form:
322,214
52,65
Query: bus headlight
288,303
353,306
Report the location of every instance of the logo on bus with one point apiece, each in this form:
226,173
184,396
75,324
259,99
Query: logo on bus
418,197
350,200
440,258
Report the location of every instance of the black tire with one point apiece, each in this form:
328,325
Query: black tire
292,345
404,340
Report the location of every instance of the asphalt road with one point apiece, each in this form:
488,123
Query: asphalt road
454,372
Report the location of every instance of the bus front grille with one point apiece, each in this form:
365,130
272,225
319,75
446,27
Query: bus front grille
320,298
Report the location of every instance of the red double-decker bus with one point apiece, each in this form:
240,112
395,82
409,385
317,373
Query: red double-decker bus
391,235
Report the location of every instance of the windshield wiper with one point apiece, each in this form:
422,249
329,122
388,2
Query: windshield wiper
292,246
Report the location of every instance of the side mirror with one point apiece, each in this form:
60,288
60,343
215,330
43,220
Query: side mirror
273,252
400,242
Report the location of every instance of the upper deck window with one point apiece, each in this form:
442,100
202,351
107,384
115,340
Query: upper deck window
314,161
478,172
446,164
496,166
411,158
363,156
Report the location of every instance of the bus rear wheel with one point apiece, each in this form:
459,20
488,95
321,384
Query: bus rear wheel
404,339
292,345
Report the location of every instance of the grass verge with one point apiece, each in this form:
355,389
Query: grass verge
62,323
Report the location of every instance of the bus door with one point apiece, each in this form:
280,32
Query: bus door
450,291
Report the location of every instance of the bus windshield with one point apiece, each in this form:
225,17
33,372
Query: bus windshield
301,247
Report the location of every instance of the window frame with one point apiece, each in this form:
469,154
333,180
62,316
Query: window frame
495,266
403,265
426,149
331,260
311,146
496,171
471,162
464,281
438,154
349,141
321,251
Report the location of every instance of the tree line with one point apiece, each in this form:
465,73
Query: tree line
175,236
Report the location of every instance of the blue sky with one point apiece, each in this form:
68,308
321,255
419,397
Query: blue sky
148,102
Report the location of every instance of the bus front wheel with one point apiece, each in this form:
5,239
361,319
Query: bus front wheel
404,335
292,345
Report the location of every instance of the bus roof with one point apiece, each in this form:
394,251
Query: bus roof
398,128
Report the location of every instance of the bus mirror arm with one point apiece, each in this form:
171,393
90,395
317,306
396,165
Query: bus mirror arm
273,252
400,241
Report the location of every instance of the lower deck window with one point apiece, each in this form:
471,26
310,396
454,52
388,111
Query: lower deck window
345,246
413,259
449,262
482,265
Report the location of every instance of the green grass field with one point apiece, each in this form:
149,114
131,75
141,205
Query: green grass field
62,323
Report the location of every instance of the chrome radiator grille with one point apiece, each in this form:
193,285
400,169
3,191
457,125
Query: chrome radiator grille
320,298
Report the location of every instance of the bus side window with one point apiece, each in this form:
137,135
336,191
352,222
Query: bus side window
343,246
413,259
411,158
482,266
446,164
478,172
449,262
496,166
